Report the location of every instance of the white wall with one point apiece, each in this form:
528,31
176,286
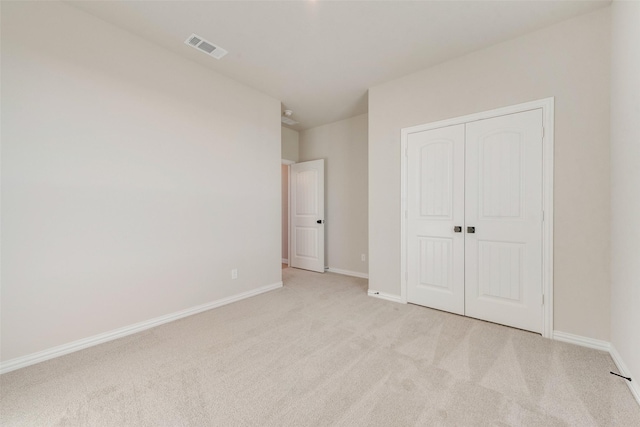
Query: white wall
290,140
570,61
625,184
131,179
343,145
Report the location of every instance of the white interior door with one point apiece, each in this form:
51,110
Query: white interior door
503,204
435,202
307,215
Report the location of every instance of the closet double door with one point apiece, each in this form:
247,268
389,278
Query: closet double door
474,219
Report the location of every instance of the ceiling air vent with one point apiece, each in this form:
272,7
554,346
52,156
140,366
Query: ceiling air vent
205,46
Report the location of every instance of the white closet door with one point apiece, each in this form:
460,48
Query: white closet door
503,201
435,202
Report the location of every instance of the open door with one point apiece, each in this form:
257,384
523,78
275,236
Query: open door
307,216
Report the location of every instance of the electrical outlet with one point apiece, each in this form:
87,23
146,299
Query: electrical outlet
363,257
234,273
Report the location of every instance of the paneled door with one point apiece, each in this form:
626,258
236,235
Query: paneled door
503,208
307,215
435,185
474,219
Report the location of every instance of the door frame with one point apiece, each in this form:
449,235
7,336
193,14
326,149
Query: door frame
547,106
288,164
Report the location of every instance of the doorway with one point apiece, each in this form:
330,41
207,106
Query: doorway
284,168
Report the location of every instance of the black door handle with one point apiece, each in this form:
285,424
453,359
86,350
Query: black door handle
320,221
471,230
457,229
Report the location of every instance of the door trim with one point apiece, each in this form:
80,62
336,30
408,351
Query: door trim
288,163
547,106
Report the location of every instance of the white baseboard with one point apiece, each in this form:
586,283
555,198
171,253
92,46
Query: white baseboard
582,341
382,295
347,272
622,367
285,261
603,346
61,350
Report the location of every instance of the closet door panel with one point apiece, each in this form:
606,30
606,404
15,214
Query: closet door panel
435,202
503,207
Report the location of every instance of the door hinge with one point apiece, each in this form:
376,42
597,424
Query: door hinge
542,299
542,216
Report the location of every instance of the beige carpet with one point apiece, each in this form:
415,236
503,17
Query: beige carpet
321,352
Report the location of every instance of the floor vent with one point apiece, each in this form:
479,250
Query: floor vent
209,48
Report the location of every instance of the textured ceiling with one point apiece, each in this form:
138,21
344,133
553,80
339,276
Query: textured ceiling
320,57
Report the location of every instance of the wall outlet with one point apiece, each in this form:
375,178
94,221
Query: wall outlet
363,257
234,273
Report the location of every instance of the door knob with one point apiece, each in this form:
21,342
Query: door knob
471,230
457,229
319,221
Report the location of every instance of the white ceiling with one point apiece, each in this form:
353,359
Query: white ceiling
320,57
